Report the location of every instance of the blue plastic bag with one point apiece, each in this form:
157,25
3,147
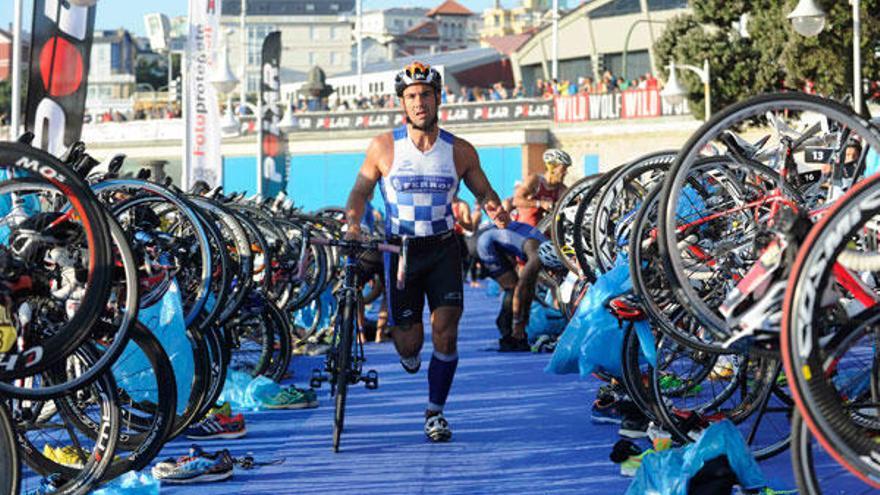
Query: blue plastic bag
544,321
593,338
165,320
246,393
492,288
669,472
131,483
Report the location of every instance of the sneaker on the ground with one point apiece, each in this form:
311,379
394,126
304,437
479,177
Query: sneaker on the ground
217,426
510,344
287,398
411,364
633,426
437,428
540,342
630,466
310,395
318,349
225,409
197,467
606,410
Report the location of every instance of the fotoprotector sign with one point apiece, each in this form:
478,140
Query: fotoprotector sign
201,160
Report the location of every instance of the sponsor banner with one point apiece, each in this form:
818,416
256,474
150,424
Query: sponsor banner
469,113
61,45
201,160
629,104
272,155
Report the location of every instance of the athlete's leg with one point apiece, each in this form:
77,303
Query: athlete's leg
444,361
525,289
408,339
504,321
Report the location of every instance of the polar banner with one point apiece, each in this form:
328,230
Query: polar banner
272,157
630,104
60,49
201,160
468,113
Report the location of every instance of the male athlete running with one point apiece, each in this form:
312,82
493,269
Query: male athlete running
418,167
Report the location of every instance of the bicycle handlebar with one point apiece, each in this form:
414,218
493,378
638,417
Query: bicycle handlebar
359,246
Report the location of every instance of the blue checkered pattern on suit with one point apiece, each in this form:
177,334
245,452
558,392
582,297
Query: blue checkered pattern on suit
420,188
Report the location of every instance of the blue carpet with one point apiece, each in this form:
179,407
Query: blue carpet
517,430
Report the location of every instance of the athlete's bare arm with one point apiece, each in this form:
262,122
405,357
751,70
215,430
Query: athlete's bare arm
468,167
524,195
370,173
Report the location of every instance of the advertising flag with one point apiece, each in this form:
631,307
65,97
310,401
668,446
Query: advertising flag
272,157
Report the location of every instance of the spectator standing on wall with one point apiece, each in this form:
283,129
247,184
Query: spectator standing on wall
518,90
538,91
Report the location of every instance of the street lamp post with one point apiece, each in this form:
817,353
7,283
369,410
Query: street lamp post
808,19
224,82
16,70
555,67
244,52
674,93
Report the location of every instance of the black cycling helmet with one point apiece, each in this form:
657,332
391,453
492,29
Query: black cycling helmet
417,73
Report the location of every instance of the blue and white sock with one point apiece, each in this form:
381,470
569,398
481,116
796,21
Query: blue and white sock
441,371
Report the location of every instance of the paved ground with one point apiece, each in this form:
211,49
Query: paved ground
517,430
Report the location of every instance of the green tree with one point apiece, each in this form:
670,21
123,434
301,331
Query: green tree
773,56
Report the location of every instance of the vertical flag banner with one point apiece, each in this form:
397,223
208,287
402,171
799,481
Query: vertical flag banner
201,160
61,45
272,157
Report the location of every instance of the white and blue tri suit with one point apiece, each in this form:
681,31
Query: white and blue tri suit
418,192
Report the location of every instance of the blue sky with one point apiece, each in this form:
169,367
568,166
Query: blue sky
130,14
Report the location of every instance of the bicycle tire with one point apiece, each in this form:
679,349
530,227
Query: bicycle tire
23,159
343,366
10,463
802,349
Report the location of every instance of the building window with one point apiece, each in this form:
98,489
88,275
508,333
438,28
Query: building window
334,7
310,7
256,34
253,83
313,58
410,23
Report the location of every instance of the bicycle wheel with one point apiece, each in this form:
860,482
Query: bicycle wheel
829,333
48,437
724,225
61,214
10,464
807,456
147,402
618,203
343,351
114,321
562,228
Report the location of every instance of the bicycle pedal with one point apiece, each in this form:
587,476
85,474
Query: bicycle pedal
371,380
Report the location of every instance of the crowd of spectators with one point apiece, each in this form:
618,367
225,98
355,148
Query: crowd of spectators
497,92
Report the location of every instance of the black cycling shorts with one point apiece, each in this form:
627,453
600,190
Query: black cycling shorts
433,270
